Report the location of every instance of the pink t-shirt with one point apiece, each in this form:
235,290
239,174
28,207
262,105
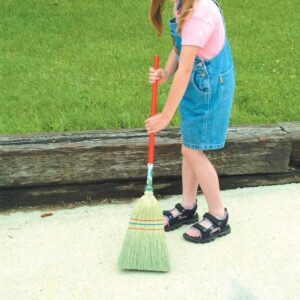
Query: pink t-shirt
203,28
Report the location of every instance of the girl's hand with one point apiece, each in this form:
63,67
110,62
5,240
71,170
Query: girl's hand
158,74
156,123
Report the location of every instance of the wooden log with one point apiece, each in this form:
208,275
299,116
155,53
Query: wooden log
44,159
125,190
293,130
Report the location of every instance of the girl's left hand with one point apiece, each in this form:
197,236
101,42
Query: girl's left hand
156,123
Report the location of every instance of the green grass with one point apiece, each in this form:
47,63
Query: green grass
78,65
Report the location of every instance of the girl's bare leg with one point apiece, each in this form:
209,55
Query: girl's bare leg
209,182
189,185
189,188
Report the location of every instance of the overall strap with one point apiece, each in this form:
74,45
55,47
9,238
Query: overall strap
222,15
179,4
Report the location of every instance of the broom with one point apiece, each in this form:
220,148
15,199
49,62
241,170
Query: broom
144,247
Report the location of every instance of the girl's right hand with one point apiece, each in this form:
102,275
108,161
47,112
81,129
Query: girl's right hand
158,74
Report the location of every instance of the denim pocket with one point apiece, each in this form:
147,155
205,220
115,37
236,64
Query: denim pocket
227,83
201,82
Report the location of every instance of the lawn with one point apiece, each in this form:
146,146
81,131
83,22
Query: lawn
79,65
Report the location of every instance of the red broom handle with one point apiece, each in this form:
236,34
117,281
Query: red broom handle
153,111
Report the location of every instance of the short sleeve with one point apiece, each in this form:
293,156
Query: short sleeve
196,31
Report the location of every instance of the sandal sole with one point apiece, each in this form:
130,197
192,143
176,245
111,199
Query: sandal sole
197,240
187,222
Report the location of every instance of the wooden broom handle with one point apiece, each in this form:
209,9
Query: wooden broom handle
153,111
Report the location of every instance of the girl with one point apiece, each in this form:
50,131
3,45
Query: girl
203,87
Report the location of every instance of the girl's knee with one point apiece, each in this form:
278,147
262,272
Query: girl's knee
184,151
188,152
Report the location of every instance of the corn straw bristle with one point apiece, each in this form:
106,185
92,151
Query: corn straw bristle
145,247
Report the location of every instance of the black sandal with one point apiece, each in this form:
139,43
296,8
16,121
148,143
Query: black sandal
206,233
186,216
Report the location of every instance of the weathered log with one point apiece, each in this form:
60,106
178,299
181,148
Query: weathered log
120,190
45,168
293,130
43,159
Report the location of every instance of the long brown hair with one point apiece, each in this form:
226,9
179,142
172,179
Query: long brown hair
155,14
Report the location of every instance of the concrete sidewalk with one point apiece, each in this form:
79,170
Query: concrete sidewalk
73,253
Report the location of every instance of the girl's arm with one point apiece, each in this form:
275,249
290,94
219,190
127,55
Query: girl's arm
163,75
177,90
172,63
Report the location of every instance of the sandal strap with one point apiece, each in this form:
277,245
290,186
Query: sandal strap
168,214
189,213
216,222
179,207
205,232
200,227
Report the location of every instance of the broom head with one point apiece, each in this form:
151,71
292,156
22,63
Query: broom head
145,246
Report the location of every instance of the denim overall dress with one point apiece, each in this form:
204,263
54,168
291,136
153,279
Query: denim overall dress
206,105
